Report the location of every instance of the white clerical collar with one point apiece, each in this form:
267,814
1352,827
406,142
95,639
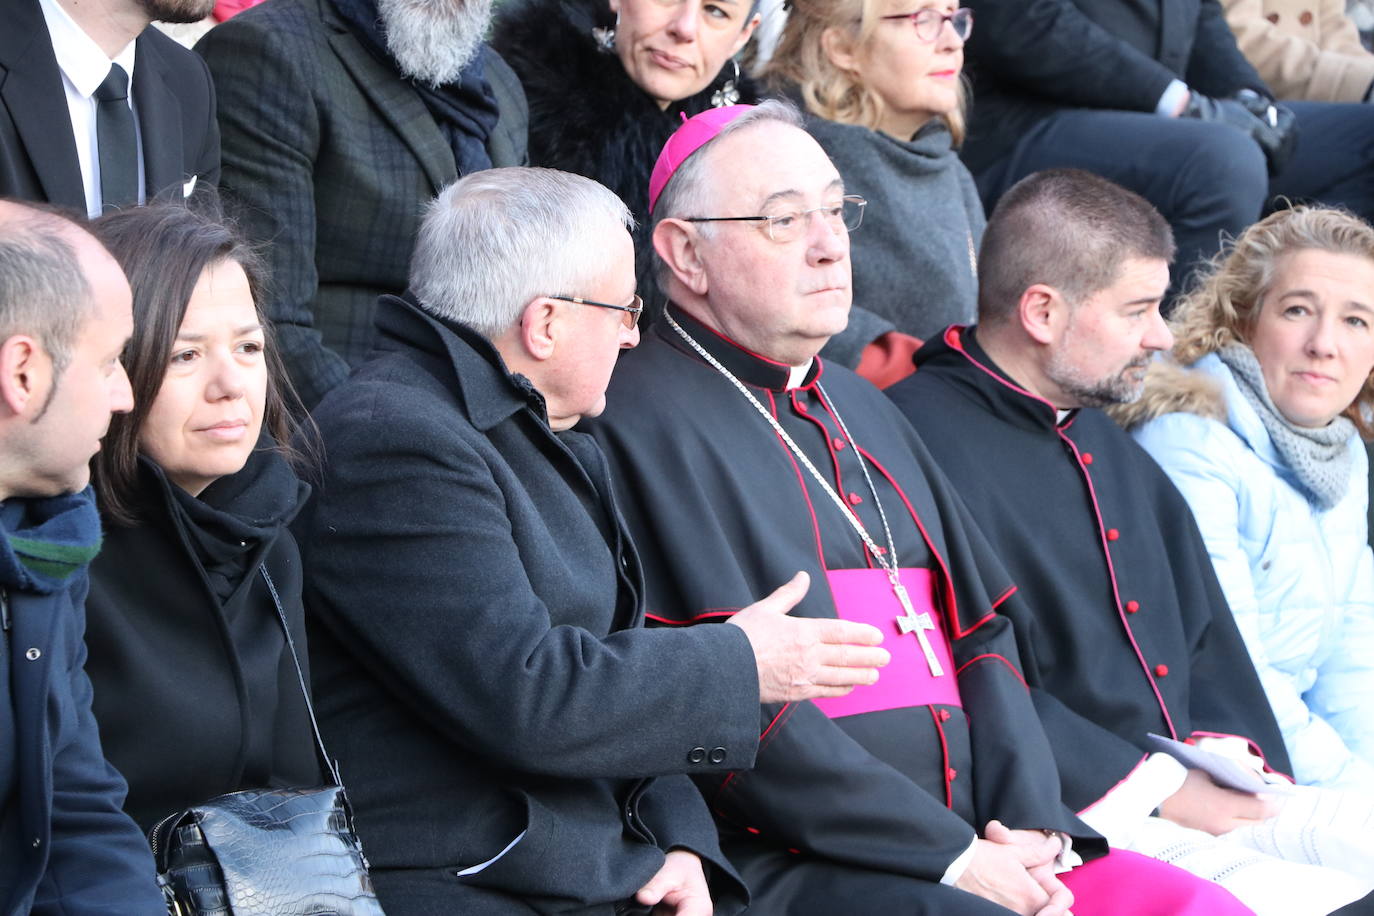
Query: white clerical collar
78,56
797,374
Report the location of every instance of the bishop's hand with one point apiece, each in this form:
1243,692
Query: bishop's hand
801,658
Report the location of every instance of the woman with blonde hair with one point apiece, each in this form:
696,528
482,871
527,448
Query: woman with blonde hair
882,82
1262,433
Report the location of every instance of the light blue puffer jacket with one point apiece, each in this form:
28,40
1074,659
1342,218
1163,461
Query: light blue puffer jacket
1299,580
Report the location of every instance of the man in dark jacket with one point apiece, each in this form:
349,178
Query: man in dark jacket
340,120
99,109
65,844
477,604
1155,95
1124,630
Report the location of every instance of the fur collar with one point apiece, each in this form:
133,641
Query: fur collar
1170,388
586,115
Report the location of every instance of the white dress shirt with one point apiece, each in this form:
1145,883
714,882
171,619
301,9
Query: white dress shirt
84,67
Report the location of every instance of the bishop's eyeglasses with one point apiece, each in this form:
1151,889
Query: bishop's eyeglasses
632,312
929,22
843,215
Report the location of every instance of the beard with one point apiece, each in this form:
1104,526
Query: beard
177,11
432,40
1123,387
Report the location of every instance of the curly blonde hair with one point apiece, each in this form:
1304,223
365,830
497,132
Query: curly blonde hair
828,91
1224,303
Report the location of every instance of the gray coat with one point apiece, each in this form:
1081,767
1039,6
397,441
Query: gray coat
915,255
332,156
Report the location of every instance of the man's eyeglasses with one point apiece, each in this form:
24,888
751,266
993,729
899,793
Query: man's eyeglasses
632,312
843,215
929,22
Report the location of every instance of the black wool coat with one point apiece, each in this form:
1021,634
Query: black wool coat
861,812
480,667
1030,58
1124,629
195,691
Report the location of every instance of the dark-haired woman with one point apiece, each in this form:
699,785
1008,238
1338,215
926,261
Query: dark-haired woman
195,689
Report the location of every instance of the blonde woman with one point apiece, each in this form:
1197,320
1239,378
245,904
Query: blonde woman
882,81
1262,434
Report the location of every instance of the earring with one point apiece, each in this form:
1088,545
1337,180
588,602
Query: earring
727,94
604,36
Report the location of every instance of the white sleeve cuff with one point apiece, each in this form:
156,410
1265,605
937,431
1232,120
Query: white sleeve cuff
960,865
1119,813
1171,97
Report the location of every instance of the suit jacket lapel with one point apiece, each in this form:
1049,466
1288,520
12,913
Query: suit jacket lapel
159,121
400,105
31,89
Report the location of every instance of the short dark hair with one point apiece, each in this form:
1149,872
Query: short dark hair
1068,229
164,248
43,290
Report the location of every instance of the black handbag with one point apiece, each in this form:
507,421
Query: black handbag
267,852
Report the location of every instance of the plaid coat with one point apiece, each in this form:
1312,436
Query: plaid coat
331,155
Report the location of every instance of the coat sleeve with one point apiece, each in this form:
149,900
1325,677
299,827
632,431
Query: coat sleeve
1200,457
1297,65
1049,48
270,135
1217,67
98,864
434,599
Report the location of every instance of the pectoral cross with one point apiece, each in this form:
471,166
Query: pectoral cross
912,622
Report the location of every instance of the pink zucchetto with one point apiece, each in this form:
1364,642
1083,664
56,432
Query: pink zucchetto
691,136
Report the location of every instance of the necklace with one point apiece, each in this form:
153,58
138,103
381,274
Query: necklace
909,621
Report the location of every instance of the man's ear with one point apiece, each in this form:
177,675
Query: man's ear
25,373
537,330
678,243
1041,311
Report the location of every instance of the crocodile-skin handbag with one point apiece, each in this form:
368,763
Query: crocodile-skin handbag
266,852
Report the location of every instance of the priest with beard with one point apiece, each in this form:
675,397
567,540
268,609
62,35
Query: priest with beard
740,457
340,119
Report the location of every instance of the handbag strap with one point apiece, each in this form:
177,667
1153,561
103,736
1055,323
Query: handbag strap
329,763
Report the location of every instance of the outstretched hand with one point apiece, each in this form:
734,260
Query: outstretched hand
801,658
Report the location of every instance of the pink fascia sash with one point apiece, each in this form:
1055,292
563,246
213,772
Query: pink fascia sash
865,595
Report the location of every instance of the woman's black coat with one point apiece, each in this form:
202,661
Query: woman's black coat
195,691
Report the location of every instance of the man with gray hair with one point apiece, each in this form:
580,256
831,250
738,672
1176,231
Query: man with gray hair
477,604
739,456
340,119
65,313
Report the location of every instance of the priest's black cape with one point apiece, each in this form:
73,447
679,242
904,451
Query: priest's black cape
1123,629
864,811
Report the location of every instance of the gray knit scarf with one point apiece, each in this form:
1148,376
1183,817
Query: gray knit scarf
1319,457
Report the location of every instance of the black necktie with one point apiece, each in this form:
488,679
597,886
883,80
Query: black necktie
117,141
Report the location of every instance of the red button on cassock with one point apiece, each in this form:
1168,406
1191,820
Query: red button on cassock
1132,607
839,443
1087,457
855,499
944,715
1113,534
953,774
1161,670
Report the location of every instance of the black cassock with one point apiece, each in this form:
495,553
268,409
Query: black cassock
865,810
1124,629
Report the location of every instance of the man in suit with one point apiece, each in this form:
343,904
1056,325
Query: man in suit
1155,95
65,313
139,107
336,132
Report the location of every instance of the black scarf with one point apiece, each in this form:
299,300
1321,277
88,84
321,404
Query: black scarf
465,110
